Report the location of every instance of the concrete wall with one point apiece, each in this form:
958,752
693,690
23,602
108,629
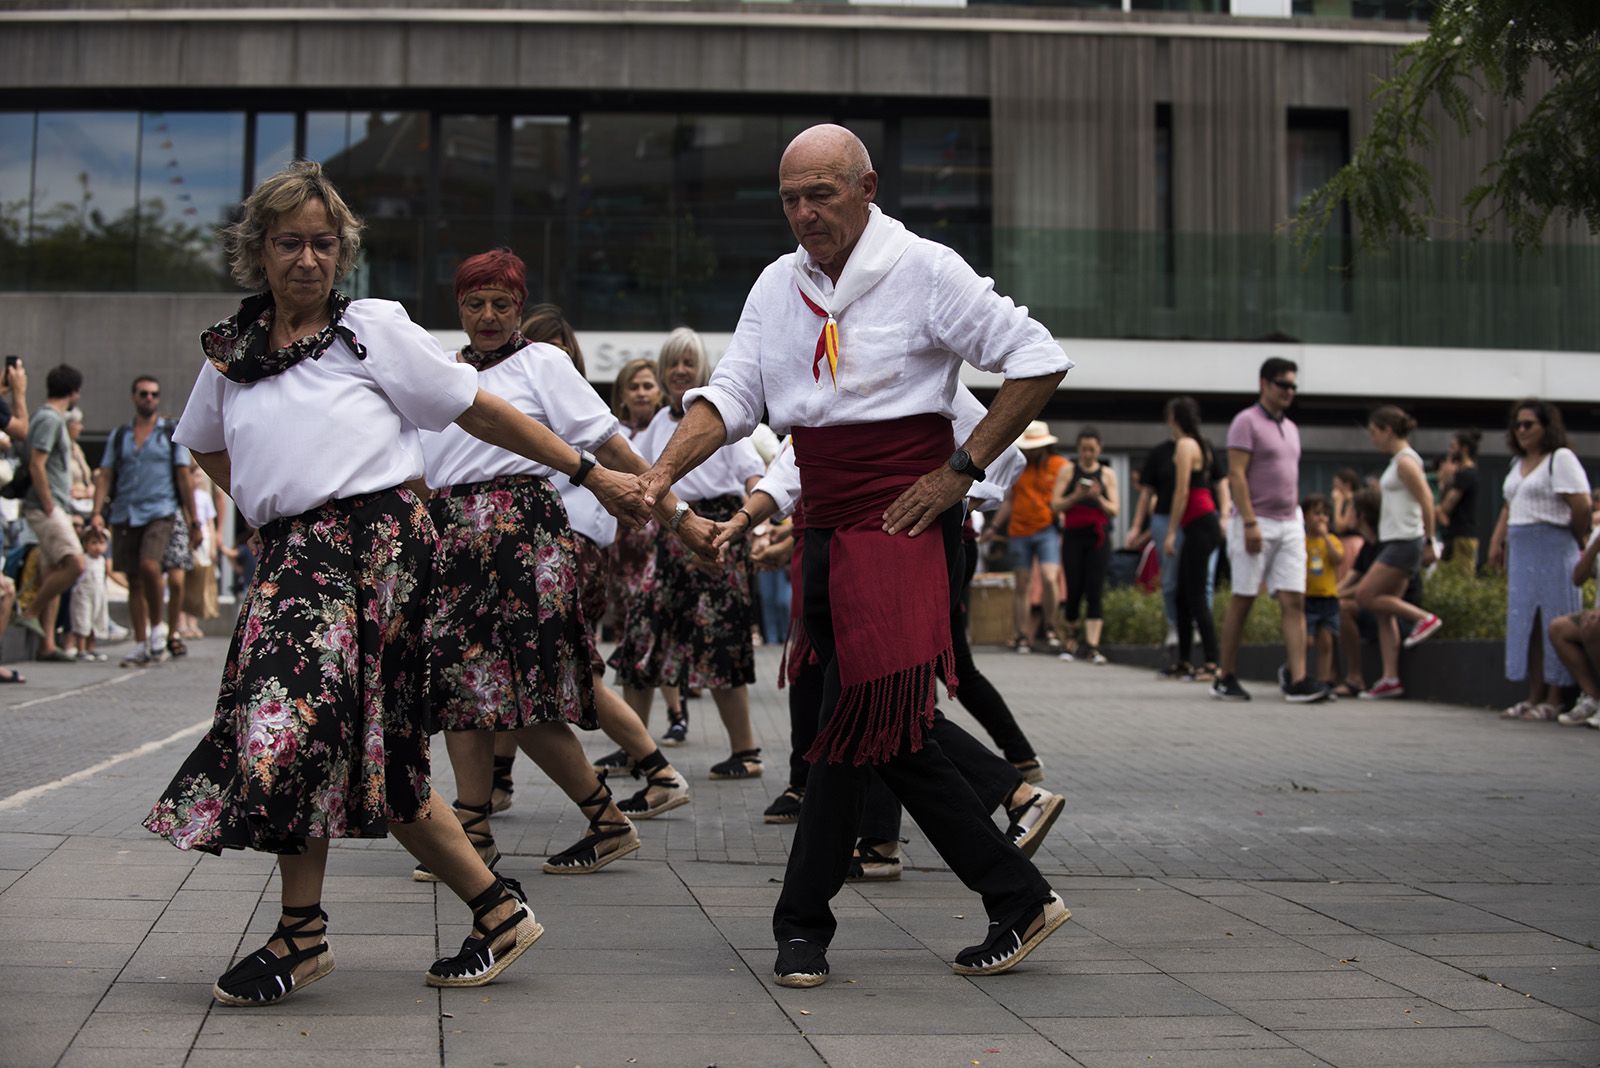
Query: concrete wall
111,337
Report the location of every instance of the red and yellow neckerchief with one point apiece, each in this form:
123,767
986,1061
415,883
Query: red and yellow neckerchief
827,342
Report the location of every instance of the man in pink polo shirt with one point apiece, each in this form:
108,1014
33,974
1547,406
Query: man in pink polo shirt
1266,537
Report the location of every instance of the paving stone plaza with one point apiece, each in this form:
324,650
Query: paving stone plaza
1362,883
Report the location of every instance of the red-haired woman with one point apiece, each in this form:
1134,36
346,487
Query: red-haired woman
511,650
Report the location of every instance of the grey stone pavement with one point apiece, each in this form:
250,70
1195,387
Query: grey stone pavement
1366,883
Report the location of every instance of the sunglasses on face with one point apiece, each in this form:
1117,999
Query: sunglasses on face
1526,424
149,393
1285,383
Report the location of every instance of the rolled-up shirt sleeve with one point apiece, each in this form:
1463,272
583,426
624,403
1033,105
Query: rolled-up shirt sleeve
987,330
735,389
423,383
782,481
200,427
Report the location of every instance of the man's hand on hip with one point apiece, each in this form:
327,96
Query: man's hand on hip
928,498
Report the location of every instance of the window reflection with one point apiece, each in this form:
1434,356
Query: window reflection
540,181
274,145
84,189
16,195
381,169
190,173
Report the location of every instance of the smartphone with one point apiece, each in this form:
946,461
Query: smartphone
1086,482
12,361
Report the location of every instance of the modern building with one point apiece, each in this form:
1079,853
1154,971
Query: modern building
1124,168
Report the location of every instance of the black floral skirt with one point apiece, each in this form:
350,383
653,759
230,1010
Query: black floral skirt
684,627
321,721
510,645
591,595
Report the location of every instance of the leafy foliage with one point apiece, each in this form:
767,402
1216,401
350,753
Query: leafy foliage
1479,53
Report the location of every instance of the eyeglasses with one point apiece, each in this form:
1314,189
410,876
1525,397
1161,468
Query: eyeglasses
1526,424
1284,383
324,248
149,393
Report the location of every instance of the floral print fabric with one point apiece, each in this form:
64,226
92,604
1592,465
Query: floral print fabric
591,595
686,627
510,646
320,727
240,346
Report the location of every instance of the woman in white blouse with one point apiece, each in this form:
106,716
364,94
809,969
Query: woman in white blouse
512,651
689,625
308,414
1542,527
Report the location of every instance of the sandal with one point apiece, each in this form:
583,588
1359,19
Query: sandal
11,675
263,977
1019,644
1204,673
479,962
482,841
606,841
639,806
614,761
176,648
677,727
1348,689
874,862
785,808
500,796
1032,770
745,764
1517,711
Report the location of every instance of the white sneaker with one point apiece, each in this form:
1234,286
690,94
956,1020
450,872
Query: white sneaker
1582,712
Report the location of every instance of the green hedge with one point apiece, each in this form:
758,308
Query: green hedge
1471,607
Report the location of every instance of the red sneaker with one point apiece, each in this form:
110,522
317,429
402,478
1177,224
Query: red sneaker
1423,631
1384,688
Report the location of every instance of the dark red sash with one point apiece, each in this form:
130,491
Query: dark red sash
889,596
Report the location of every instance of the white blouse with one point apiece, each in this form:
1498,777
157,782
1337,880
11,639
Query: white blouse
900,345
782,480
1540,497
540,381
1400,518
724,473
332,427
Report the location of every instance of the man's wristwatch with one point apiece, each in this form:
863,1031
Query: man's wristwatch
961,463
586,462
677,516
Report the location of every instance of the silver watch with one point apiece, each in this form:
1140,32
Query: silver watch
677,516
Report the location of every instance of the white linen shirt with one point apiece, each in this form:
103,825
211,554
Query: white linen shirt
900,345
1541,496
540,381
725,471
332,427
782,480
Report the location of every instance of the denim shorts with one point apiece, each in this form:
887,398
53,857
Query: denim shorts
1045,546
1322,613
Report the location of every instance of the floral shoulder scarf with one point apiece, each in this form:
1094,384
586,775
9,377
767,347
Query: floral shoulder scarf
239,346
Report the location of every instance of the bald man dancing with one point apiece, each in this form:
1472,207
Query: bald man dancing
853,342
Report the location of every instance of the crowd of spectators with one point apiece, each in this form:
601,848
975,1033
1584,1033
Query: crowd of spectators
73,533
1345,566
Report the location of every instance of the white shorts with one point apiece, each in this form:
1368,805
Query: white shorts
1281,563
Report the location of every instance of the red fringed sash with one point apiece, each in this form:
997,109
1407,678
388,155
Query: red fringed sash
889,597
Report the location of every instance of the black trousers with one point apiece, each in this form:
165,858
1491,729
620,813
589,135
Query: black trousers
1200,540
992,779
975,692
805,704
1085,564
926,782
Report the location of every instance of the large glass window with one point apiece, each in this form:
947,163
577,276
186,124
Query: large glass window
379,161
944,183
467,221
190,173
540,179
1318,145
16,195
274,145
85,184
